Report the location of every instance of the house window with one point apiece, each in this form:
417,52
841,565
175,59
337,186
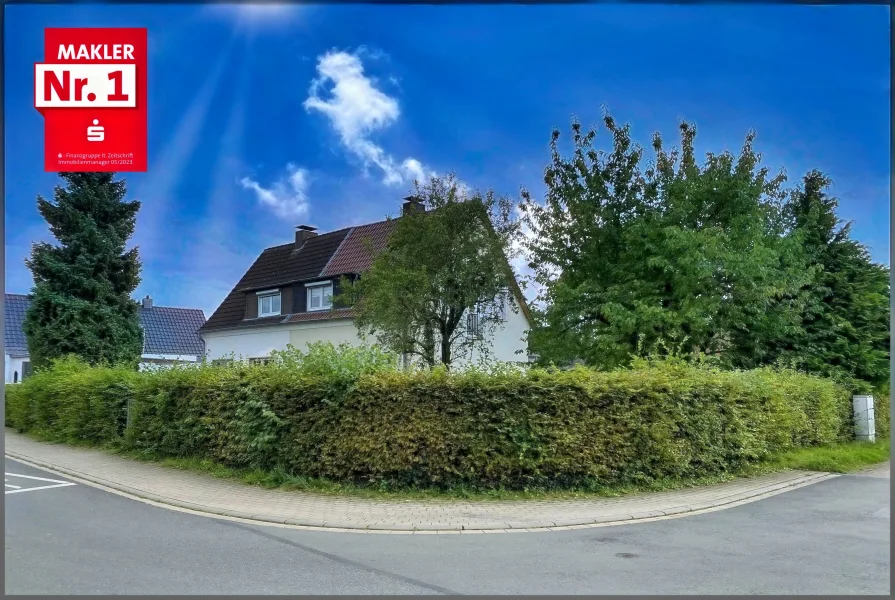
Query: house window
268,304
503,299
260,361
320,297
473,324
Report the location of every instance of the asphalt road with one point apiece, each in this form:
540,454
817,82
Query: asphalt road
827,538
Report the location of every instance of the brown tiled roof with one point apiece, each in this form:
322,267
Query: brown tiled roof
276,266
321,315
359,248
344,252
285,264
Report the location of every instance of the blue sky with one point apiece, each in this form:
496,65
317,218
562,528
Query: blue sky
263,118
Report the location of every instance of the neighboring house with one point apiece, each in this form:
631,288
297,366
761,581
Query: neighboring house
286,298
170,336
15,348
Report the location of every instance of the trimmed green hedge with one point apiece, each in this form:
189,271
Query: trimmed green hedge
514,430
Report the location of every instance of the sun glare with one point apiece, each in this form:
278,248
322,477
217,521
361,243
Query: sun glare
265,11
258,14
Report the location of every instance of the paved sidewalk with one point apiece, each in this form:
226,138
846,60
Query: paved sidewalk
881,470
221,497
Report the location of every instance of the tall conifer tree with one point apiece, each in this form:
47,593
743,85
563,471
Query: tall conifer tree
81,301
845,321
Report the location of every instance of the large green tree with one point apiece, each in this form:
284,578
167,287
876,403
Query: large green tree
845,309
439,288
81,302
677,252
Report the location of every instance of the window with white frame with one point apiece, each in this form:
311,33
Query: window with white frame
473,324
503,299
320,297
268,304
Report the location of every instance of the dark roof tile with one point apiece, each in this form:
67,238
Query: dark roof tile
167,330
343,252
277,266
320,315
360,247
170,330
14,308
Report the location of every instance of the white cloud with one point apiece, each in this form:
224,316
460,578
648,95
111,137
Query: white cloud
287,197
356,109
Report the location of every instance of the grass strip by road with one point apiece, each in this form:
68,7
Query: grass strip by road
844,458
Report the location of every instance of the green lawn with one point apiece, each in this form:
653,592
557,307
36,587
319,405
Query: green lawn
846,458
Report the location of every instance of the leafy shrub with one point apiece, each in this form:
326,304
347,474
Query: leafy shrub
352,415
71,402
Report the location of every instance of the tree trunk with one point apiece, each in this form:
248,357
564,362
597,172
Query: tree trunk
446,351
429,345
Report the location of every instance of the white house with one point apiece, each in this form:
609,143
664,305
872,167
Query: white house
170,336
286,298
16,362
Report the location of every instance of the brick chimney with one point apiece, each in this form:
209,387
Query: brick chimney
303,233
412,204
147,302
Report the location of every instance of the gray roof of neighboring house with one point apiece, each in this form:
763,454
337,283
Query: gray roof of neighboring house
14,308
172,330
167,330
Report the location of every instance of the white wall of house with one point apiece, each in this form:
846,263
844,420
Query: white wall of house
13,368
338,331
246,343
503,343
14,365
165,361
507,342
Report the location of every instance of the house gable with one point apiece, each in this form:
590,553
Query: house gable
277,269
286,269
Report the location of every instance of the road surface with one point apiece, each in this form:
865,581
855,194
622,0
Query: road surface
828,538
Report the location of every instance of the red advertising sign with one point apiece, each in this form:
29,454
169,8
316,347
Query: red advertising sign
92,95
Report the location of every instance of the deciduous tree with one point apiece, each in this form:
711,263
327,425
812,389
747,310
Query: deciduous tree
439,289
680,251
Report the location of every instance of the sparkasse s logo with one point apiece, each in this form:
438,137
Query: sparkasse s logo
93,99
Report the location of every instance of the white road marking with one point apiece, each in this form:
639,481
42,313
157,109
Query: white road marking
34,489
18,489
36,478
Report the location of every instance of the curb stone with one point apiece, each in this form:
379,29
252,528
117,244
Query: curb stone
728,501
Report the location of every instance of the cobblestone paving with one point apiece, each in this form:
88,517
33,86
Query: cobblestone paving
221,497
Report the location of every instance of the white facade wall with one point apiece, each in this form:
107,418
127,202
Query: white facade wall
165,361
13,366
507,343
340,331
245,343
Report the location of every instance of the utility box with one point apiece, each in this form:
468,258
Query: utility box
865,424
